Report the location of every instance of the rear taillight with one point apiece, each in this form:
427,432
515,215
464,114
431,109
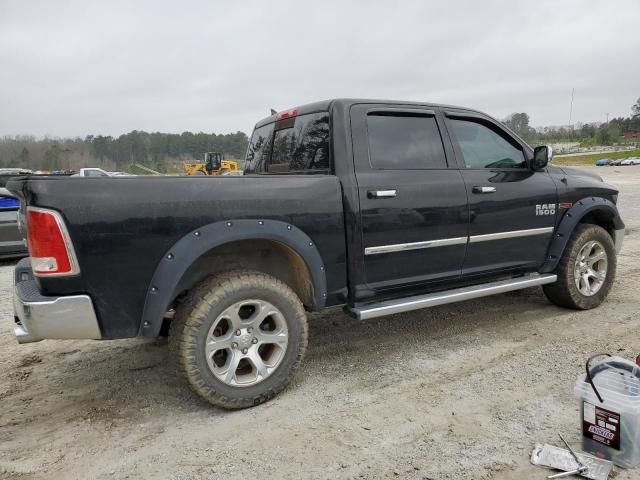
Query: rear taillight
49,244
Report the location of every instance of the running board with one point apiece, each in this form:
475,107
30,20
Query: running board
400,305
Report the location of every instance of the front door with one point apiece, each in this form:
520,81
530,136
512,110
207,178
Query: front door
512,208
413,203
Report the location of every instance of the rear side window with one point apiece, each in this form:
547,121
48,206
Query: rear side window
404,142
292,145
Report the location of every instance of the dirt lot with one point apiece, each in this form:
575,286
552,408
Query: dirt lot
456,392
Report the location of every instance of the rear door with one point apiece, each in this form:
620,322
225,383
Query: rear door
413,203
512,208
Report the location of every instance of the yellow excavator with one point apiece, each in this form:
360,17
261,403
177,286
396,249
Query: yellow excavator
212,164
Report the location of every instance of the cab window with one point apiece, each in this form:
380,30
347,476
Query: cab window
292,145
259,149
404,142
301,144
483,147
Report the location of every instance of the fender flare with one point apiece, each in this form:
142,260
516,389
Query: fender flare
196,243
570,220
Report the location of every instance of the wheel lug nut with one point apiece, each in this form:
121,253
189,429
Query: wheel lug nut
238,332
234,345
244,350
254,341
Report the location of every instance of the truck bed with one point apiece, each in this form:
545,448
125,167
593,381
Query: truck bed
122,227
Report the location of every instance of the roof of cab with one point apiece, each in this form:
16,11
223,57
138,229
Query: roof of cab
325,105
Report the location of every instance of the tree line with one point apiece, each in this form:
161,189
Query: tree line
166,152
161,151
587,134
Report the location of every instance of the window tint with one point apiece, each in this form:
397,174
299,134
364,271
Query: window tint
258,149
301,144
483,148
402,142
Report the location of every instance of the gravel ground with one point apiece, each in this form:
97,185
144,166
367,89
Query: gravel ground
460,391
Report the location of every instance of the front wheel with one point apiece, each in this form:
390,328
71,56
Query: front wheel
586,270
239,338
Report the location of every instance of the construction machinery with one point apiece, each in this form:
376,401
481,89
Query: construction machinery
212,164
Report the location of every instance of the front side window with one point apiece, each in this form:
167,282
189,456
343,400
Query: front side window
482,147
404,142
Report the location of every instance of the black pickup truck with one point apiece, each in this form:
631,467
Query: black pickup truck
381,207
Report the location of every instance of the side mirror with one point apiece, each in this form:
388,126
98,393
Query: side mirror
542,156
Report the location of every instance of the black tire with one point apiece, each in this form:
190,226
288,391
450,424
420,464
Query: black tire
200,309
565,292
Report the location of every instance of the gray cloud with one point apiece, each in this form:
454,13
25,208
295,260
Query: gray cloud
80,67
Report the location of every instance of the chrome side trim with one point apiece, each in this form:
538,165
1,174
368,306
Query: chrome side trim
513,234
401,247
450,296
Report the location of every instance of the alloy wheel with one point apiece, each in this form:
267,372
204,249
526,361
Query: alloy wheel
246,343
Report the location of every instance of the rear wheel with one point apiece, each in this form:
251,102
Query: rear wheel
586,270
239,338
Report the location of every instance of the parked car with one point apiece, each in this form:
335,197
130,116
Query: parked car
91,172
12,245
603,162
379,207
4,172
628,161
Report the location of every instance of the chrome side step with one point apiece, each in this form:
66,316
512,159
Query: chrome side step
400,305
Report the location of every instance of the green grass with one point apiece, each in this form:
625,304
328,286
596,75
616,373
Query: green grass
590,158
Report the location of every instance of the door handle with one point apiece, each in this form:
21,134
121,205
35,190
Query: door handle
382,193
484,189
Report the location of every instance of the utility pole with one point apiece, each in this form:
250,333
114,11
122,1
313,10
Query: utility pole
571,107
570,132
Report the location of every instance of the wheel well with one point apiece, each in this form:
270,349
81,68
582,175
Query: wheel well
266,256
601,217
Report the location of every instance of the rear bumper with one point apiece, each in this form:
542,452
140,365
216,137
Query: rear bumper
38,317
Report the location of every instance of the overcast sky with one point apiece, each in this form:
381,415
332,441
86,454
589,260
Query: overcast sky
74,68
